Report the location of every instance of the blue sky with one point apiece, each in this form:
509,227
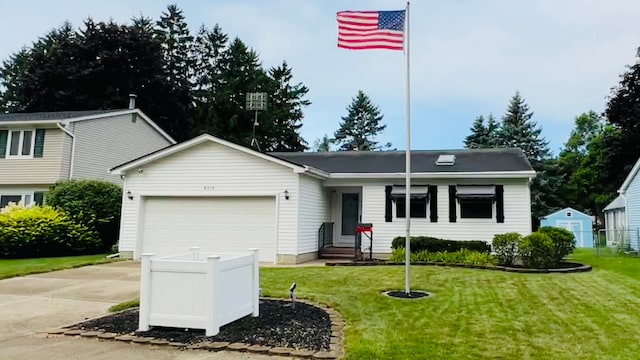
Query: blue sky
468,56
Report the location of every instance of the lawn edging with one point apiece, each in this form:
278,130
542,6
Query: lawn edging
578,267
336,344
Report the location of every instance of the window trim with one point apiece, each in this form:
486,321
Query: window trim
493,210
22,197
20,143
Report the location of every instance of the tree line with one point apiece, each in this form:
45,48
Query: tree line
188,83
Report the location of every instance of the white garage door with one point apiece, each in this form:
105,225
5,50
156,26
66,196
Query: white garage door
223,224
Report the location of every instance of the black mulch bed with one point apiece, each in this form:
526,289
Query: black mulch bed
278,325
407,295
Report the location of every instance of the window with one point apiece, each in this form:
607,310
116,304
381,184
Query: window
476,202
419,199
569,214
20,143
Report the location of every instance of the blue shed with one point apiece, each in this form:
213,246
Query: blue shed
579,223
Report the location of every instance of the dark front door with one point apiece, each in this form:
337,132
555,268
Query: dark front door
350,213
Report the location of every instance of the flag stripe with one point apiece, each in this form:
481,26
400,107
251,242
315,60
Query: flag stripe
363,30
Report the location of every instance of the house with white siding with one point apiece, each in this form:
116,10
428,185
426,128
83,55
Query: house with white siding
39,149
219,196
622,215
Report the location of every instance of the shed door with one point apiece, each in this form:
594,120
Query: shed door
575,227
171,225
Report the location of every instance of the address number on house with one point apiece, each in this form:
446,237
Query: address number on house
209,187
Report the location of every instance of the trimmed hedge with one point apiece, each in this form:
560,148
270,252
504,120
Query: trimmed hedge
506,247
543,249
43,232
457,257
563,242
95,204
431,244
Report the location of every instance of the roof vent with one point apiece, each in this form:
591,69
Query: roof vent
446,159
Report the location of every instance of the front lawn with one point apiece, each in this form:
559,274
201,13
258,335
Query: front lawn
19,267
479,314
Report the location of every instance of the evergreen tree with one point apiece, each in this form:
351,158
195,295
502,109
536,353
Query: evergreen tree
361,125
286,111
322,145
519,130
482,136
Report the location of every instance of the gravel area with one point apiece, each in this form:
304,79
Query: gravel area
279,325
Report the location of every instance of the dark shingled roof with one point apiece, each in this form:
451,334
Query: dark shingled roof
422,161
55,115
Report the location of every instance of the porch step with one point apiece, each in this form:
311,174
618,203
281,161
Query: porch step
338,250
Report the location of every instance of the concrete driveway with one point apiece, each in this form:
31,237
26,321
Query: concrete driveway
31,305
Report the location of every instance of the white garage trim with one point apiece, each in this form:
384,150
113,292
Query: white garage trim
144,196
209,193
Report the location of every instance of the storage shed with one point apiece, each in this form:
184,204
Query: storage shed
579,223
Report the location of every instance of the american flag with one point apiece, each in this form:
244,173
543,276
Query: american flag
364,30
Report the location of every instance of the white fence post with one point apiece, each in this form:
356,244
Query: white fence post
145,292
255,286
212,328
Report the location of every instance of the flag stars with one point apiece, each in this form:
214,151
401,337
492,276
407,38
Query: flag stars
391,20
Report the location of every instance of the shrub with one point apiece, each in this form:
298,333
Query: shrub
431,244
458,257
506,247
93,203
537,250
563,242
43,231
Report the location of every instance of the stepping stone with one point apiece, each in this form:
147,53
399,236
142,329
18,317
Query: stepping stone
142,340
74,332
325,355
280,351
258,349
302,353
158,342
56,331
107,335
91,333
238,346
176,344
218,345
125,337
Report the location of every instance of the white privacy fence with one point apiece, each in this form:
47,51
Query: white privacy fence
198,290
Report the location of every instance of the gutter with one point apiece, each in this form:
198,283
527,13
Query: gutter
73,147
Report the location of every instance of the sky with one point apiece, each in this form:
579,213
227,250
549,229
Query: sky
468,57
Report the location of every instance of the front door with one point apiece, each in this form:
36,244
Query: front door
349,217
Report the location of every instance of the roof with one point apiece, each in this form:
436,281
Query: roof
65,117
630,177
54,115
172,149
617,203
422,161
568,209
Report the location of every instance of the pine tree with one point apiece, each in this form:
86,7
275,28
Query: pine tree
482,135
361,125
322,145
286,103
519,130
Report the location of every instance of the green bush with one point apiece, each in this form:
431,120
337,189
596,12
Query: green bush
43,232
506,247
93,203
563,242
457,257
431,244
537,251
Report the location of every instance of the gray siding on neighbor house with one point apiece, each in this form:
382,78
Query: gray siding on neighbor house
104,143
44,170
633,212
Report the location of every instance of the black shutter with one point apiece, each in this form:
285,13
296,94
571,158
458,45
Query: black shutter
388,207
38,149
38,198
4,134
452,203
500,203
433,202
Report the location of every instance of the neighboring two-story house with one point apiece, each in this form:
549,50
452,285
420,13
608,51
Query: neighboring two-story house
39,149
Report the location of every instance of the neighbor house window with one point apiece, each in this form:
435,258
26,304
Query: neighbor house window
24,199
419,199
21,143
476,202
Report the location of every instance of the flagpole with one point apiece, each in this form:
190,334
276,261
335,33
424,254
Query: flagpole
408,162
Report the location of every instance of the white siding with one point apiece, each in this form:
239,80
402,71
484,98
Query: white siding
107,142
313,210
517,205
633,210
65,156
44,170
212,165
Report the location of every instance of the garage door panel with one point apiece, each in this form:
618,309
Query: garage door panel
218,224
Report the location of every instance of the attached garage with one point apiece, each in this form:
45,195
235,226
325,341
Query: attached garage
171,224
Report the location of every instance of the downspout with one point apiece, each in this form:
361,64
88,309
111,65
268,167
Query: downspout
73,148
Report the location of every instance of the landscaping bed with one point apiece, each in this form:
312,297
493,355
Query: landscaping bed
564,267
279,325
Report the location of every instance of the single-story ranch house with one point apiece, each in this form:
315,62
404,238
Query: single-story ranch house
219,196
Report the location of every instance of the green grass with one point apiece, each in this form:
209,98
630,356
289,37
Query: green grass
479,314
125,305
20,267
